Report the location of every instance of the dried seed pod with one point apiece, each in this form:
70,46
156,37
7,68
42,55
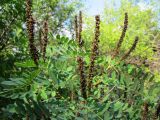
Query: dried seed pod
131,49
94,52
122,35
45,38
78,30
145,111
81,70
157,112
40,40
80,41
27,116
30,29
76,27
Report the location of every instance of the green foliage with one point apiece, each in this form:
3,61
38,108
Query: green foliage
46,90
51,90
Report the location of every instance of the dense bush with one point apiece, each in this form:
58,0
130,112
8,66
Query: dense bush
80,78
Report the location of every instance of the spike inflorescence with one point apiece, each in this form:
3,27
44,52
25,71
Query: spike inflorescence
45,38
94,52
131,49
122,35
78,30
30,29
